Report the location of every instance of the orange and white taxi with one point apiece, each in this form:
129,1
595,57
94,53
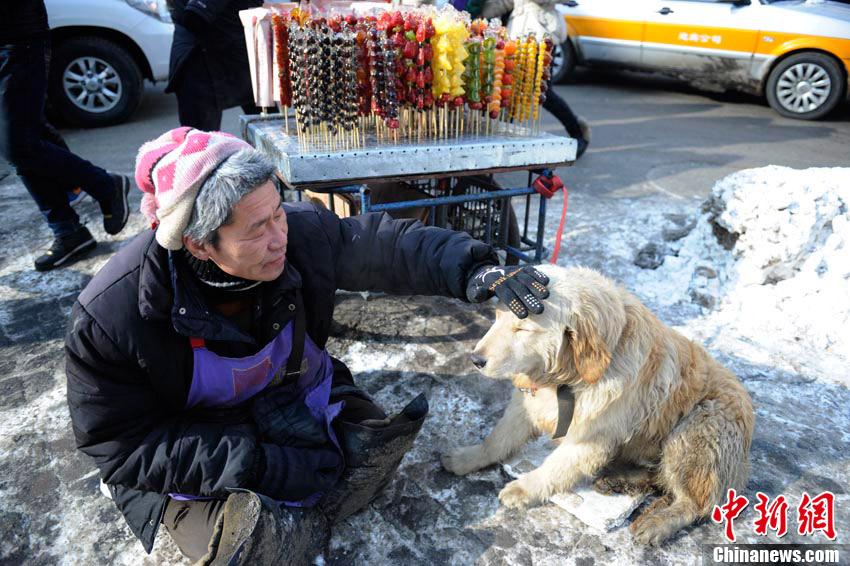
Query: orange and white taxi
794,52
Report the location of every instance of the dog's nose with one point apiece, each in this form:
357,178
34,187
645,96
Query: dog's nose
478,361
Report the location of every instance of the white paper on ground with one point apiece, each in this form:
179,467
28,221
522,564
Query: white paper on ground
603,512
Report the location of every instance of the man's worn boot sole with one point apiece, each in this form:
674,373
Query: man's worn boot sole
239,520
257,530
373,455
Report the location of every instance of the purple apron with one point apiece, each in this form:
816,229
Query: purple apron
218,381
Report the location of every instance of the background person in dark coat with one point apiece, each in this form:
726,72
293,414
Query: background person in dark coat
541,18
224,278
43,162
209,69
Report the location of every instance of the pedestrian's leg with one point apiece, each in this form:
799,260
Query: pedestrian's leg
47,169
51,134
575,126
21,101
562,111
196,104
197,113
191,525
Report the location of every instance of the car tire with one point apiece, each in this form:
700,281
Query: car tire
93,82
805,86
563,61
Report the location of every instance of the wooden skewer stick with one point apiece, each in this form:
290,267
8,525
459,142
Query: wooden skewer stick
433,116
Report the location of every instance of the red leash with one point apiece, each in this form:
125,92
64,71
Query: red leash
546,185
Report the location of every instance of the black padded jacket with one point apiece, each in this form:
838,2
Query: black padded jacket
129,361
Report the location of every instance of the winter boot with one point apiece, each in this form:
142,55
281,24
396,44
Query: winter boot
373,452
584,138
66,250
254,529
116,211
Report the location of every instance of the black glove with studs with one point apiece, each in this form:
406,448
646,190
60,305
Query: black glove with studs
520,288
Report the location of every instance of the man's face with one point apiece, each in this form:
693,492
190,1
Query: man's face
253,245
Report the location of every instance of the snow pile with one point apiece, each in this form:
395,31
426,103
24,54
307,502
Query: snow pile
769,260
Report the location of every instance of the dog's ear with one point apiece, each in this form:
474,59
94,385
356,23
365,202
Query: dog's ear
590,353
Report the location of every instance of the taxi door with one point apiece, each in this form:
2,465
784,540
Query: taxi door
606,31
708,38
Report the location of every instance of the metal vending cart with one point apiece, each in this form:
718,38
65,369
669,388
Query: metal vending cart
453,179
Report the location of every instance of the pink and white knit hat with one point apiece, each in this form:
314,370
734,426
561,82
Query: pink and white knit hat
171,169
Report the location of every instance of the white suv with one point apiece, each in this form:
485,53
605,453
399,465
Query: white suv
102,52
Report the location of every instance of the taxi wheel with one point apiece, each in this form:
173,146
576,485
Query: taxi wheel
805,86
563,61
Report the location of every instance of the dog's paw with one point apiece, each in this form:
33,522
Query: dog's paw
515,495
652,529
463,461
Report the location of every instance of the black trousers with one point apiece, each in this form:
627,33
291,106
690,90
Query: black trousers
191,523
38,153
562,111
197,105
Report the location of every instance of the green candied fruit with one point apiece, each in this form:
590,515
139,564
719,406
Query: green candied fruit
489,43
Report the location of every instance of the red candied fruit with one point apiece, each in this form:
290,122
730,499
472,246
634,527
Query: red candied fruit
409,51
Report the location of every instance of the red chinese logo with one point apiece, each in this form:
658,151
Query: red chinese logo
816,514
735,505
813,514
773,516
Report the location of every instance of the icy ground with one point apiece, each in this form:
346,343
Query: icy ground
776,322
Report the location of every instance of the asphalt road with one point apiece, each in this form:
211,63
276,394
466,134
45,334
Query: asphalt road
649,135
655,134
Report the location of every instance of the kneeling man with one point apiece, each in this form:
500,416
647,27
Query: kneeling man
198,378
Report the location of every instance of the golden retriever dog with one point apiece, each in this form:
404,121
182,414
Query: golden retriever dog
653,410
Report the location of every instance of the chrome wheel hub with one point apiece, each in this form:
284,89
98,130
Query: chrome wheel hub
92,84
803,87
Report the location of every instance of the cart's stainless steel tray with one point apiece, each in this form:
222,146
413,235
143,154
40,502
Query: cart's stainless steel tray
316,165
